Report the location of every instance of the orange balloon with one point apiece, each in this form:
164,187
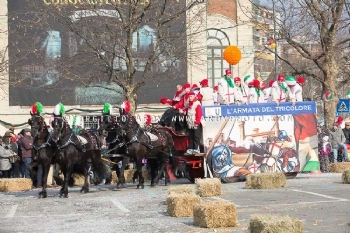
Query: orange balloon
232,54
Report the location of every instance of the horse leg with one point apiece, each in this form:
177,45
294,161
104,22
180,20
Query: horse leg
161,170
43,193
121,178
139,171
67,173
154,172
85,187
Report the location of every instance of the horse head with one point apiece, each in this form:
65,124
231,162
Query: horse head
59,126
107,123
37,124
127,122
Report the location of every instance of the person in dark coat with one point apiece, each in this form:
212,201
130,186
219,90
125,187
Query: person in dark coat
26,146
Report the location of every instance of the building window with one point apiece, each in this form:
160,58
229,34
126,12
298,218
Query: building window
217,41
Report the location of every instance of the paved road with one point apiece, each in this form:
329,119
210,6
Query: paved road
321,201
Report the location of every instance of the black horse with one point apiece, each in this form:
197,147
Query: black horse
76,150
139,146
116,145
44,148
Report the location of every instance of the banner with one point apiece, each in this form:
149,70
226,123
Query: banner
262,109
51,63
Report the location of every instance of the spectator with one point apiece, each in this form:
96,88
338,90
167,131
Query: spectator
337,140
5,164
26,150
324,150
21,164
346,131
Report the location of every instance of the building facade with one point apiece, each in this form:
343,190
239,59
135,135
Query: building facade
211,27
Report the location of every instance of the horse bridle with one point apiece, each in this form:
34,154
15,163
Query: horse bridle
41,122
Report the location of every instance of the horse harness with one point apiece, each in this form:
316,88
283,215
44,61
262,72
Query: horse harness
149,145
45,144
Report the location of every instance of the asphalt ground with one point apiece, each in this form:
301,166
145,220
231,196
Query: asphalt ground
322,202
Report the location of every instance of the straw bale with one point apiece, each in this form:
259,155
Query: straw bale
266,180
208,187
181,205
128,174
339,167
346,177
78,180
215,214
181,189
15,184
275,224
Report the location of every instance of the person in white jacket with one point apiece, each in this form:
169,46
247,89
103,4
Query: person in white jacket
240,92
216,96
299,94
280,91
226,88
256,95
207,93
295,89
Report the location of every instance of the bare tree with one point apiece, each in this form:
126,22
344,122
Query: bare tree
323,22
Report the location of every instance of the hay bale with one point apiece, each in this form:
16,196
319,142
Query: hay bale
266,180
15,185
209,187
78,180
181,189
346,177
275,224
339,167
215,214
128,174
181,205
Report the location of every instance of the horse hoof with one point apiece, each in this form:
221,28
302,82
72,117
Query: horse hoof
65,196
42,195
84,190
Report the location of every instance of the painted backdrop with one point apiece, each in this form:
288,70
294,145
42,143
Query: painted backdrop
261,138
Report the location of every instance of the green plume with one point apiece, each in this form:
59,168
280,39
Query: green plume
62,109
106,108
39,108
74,120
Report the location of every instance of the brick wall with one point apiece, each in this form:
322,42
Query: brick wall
227,8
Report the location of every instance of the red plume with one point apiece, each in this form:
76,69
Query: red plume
148,119
164,100
262,86
340,120
126,106
301,80
34,109
271,83
256,83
